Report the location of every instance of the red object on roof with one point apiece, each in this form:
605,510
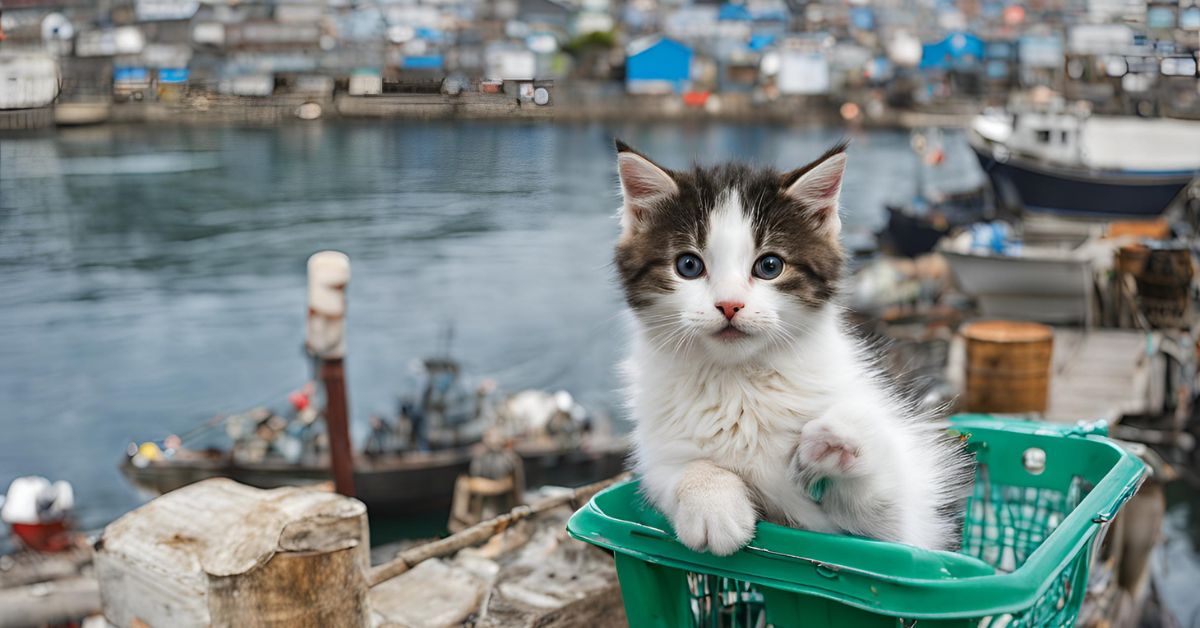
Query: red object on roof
695,99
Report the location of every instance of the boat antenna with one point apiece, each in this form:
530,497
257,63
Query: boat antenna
448,339
919,143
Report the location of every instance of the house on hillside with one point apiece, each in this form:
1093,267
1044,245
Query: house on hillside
657,65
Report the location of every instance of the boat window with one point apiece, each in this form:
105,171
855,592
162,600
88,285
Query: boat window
1063,134
1043,136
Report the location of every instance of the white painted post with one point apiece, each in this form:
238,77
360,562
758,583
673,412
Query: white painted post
328,276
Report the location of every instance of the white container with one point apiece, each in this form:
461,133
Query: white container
256,85
30,80
366,85
803,73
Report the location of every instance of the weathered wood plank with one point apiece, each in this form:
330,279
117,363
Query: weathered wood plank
1101,374
49,603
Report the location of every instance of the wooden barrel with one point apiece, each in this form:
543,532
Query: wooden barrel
1008,366
1164,286
1131,258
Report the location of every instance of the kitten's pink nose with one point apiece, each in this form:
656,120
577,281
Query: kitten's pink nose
730,308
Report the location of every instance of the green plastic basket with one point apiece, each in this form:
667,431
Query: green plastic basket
1043,494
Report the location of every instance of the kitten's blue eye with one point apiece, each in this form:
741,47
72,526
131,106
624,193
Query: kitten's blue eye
768,267
689,266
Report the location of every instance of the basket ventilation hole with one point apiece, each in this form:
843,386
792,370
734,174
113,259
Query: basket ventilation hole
1035,460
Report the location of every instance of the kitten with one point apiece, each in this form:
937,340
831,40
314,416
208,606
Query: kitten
749,397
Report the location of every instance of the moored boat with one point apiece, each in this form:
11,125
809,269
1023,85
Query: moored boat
395,484
1065,160
913,230
409,465
1011,279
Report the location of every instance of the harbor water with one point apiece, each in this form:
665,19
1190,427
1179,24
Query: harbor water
151,277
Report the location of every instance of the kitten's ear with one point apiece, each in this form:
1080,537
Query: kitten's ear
643,185
817,187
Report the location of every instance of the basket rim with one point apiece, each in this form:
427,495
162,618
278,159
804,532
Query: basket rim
984,593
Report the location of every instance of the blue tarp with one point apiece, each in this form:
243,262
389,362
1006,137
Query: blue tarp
123,74
430,34
956,51
423,62
173,75
760,42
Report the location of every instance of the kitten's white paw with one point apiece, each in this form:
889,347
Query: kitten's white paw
718,517
829,447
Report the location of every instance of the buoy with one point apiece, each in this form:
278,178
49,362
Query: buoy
308,111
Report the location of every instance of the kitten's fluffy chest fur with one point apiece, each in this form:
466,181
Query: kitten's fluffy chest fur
747,416
737,413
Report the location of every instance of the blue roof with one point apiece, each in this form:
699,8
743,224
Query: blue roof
659,59
655,42
429,34
955,51
734,13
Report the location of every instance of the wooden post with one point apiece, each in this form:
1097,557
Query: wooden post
328,275
337,424
217,553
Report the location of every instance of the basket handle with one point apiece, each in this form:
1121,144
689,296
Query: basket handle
1107,514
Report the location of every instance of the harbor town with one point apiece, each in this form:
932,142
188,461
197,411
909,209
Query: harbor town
311,315
875,63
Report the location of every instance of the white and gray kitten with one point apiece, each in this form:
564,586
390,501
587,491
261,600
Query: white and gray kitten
746,391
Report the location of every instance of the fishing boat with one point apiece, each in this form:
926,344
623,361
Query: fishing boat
392,485
409,464
1024,276
914,229
1062,159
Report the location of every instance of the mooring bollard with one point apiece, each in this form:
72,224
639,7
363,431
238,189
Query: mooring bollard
328,276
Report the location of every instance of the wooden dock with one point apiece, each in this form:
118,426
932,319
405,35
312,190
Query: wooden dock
1104,374
1099,374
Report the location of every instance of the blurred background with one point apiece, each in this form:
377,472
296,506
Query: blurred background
167,167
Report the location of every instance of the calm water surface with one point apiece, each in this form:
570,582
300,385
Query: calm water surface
151,277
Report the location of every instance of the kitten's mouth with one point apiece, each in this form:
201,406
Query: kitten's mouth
729,332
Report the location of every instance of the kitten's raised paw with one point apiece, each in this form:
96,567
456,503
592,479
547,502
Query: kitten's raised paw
719,520
828,449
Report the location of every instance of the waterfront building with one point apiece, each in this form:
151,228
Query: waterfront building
657,65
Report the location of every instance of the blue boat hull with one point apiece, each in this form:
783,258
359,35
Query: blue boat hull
1109,194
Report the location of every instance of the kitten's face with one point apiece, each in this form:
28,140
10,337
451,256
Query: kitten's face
731,261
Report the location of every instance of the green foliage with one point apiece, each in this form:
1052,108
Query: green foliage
603,40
